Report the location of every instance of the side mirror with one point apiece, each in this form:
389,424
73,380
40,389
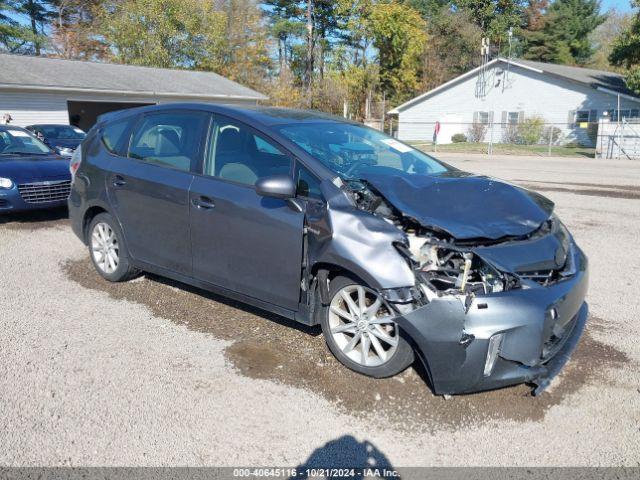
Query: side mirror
276,186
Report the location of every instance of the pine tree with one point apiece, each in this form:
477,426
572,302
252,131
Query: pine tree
566,36
39,12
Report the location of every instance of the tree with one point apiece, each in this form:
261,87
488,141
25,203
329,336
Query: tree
534,15
246,49
165,33
533,35
398,33
429,8
452,49
74,29
626,51
13,36
603,39
39,13
494,17
565,37
285,27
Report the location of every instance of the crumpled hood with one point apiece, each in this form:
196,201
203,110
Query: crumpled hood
22,169
463,204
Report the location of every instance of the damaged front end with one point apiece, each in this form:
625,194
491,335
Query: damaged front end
484,313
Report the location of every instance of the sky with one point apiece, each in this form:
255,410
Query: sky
620,5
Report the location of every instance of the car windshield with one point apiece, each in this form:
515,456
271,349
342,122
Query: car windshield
352,151
16,141
60,132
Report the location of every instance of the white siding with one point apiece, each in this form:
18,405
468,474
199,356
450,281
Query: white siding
28,108
527,91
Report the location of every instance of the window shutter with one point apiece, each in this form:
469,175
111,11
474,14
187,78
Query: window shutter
571,119
490,118
593,115
475,117
520,116
504,119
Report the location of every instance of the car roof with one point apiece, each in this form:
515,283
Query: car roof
12,127
50,125
266,116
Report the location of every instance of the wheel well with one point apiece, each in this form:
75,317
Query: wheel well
89,215
329,271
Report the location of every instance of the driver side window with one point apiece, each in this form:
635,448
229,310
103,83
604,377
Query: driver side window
238,154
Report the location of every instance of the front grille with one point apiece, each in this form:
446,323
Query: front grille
3,203
44,192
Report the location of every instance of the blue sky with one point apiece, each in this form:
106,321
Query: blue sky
620,5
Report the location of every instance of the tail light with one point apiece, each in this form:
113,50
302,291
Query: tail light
74,164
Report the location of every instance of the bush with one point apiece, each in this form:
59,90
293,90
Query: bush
459,138
477,132
554,132
530,131
511,134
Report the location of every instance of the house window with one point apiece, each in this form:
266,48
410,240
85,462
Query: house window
513,118
582,116
616,115
482,117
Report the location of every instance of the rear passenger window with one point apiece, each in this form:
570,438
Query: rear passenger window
169,139
112,137
238,154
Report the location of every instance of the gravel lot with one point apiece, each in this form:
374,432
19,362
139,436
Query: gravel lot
156,373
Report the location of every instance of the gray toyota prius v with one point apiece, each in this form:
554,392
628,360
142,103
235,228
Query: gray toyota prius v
398,256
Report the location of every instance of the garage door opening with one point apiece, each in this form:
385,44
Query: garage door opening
85,114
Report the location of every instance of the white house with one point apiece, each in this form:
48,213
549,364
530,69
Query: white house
504,93
47,90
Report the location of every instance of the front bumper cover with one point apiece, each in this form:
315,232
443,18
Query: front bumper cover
526,318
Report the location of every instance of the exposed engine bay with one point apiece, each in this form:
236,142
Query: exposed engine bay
442,264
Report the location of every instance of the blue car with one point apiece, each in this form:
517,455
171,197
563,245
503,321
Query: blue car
64,139
32,175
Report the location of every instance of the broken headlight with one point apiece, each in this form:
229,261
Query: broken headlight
449,269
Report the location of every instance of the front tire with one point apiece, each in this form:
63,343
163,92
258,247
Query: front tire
360,333
107,249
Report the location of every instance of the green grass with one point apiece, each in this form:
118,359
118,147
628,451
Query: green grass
509,149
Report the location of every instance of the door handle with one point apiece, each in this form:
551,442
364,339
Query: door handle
204,203
119,181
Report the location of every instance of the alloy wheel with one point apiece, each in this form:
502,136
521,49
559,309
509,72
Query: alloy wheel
362,326
104,247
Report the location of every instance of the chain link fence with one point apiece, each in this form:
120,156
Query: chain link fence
533,136
619,139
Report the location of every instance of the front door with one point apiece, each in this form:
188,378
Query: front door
150,188
240,240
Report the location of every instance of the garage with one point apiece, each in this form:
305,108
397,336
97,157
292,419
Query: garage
37,90
84,114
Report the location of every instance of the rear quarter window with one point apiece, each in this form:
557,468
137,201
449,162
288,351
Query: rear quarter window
113,136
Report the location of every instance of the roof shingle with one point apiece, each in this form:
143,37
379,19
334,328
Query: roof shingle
593,78
21,71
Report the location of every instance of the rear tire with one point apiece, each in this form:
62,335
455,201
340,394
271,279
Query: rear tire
108,250
357,328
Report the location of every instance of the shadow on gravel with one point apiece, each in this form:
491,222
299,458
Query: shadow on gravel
34,220
270,347
345,453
